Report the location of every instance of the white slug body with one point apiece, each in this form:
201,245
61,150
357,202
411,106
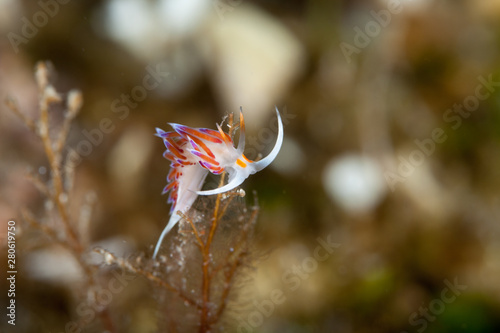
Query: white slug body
193,152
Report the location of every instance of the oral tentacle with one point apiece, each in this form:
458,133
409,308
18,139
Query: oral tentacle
259,165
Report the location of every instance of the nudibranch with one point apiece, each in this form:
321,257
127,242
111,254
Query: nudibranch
193,152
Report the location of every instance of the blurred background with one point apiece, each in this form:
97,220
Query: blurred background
381,212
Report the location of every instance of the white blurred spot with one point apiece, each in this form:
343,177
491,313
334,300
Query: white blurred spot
129,21
145,27
355,182
54,265
254,60
291,159
128,160
183,17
